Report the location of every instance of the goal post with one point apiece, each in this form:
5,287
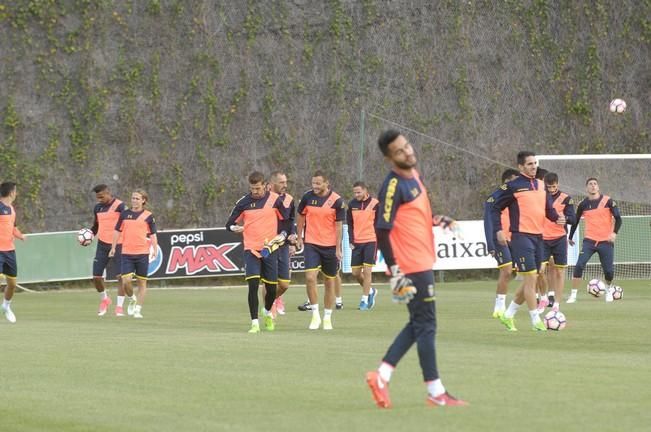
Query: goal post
626,178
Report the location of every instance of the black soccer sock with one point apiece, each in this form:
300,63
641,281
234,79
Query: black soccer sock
253,297
270,296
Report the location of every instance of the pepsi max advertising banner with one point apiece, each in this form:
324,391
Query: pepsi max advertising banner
199,253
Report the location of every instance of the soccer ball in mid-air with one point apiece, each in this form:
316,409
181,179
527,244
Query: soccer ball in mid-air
85,236
555,320
596,287
618,294
617,106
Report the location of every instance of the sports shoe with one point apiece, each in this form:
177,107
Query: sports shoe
371,298
379,389
119,311
609,294
498,313
305,306
137,314
571,300
315,323
339,306
255,328
509,323
280,306
363,306
551,300
327,323
446,399
542,304
268,323
539,326
103,306
131,307
9,315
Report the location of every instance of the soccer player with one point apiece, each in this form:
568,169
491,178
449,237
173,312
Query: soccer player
106,212
137,227
555,243
528,204
278,185
320,225
501,253
256,216
598,210
360,217
8,232
406,239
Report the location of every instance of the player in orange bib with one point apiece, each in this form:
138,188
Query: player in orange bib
8,232
320,220
406,239
107,212
360,218
139,244
602,223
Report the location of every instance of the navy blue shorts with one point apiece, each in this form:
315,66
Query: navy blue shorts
363,254
556,248
322,258
527,252
138,264
264,268
606,251
8,264
102,259
503,255
284,271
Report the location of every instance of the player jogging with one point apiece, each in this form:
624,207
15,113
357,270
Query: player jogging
360,218
598,211
138,229
106,212
406,239
8,232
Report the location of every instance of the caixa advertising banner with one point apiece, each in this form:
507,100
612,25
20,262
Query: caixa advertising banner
199,253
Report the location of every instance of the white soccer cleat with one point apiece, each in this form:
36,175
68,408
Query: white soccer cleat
315,323
131,308
327,323
571,300
9,315
609,294
137,314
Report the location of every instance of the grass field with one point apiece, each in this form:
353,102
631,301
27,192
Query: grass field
191,366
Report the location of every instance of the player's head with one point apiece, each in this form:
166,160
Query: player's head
551,182
509,174
8,190
320,183
592,186
396,149
102,194
139,198
278,182
360,191
541,173
527,163
256,184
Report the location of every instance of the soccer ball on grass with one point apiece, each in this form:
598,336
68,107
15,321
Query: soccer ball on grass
555,320
618,294
596,287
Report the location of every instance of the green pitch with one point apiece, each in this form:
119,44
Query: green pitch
191,366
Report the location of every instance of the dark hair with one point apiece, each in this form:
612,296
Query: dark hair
256,177
386,138
509,173
100,188
523,155
586,182
276,174
319,173
551,178
541,173
360,183
7,188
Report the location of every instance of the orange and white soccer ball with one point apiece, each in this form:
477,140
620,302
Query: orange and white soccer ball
617,106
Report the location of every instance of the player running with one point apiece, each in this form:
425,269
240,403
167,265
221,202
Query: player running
8,232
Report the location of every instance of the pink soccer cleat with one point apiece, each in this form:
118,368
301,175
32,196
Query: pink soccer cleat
103,306
446,399
280,306
119,311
